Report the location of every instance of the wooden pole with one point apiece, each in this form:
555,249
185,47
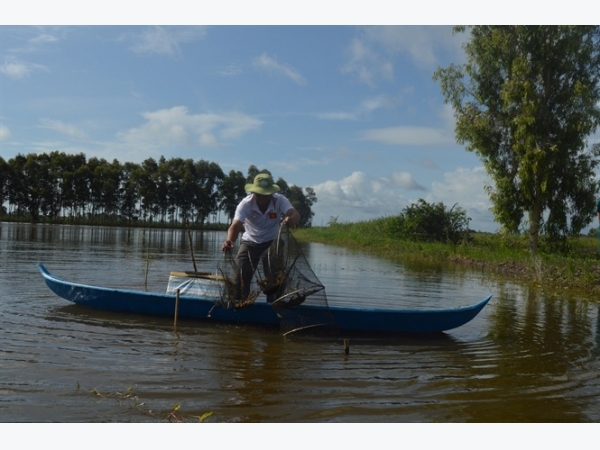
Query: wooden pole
176,308
192,248
147,263
346,346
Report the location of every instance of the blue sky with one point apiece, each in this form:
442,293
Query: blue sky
351,111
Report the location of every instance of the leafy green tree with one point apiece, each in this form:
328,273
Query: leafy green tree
30,174
302,203
16,185
284,188
423,221
71,188
207,187
145,179
129,191
49,176
253,171
94,182
162,188
525,102
81,187
233,190
181,188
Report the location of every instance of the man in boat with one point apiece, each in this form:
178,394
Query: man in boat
259,216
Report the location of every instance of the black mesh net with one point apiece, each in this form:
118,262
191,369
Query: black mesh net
283,275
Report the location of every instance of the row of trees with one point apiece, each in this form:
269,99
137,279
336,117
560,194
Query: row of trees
171,192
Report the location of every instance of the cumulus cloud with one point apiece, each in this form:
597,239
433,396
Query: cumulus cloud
270,65
405,180
360,197
69,130
465,187
176,126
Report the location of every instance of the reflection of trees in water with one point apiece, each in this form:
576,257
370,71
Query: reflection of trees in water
425,272
252,371
595,352
542,346
429,272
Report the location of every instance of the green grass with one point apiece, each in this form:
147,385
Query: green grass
576,270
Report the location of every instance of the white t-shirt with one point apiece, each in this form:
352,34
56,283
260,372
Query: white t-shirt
261,227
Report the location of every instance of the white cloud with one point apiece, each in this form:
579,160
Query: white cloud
466,187
43,39
364,108
372,55
164,40
405,180
359,196
423,44
19,70
64,128
366,64
271,65
4,133
175,126
408,136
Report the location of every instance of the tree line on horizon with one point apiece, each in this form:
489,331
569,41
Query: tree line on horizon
172,192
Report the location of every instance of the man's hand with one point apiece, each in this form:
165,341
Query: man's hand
227,245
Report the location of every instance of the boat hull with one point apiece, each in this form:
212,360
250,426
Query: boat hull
346,319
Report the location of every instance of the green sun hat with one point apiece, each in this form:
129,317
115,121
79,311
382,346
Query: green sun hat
263,185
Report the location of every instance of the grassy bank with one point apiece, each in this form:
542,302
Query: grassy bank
576,270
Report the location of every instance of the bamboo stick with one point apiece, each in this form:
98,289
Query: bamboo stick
192,249
176,308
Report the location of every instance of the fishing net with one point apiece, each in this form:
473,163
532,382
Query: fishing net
283,275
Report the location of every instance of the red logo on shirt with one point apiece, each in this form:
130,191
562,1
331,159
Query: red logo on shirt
272,215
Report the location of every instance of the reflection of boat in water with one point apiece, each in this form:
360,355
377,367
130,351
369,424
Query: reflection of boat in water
347,319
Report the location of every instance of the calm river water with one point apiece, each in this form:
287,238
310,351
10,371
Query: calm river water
525,358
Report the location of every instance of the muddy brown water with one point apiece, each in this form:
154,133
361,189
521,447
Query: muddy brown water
525,358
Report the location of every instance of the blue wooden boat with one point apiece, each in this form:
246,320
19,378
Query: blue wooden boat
347,319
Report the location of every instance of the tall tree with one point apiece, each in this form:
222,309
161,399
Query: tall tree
162,188
302,203
207,186
233,190
129,191
525,102
146,181
72,186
